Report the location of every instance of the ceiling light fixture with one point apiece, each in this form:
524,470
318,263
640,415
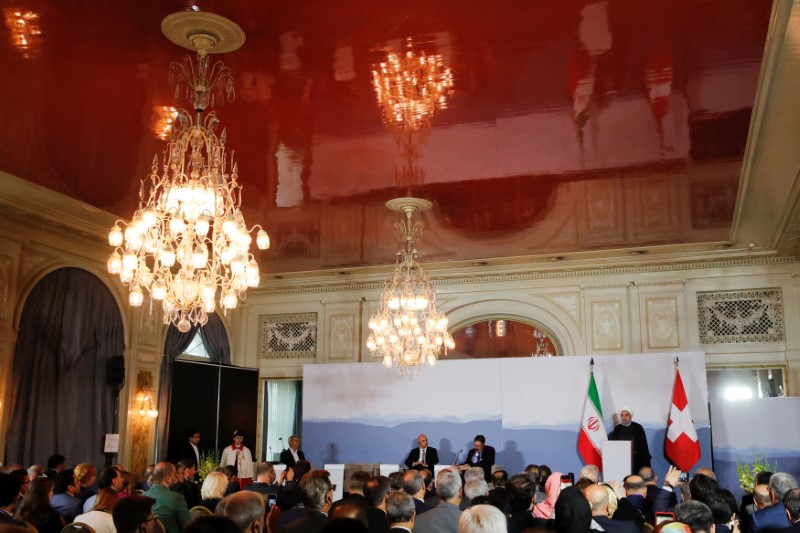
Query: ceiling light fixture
407,330
411,87
188,242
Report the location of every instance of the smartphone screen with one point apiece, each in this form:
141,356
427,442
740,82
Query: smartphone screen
272,499
567,480
684,477
662,517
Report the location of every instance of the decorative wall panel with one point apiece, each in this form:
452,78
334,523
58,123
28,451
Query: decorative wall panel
287,336
140,426
569,303
662,323
340,336
607,325
740,316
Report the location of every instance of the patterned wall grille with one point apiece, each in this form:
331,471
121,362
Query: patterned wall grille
740,316
288,336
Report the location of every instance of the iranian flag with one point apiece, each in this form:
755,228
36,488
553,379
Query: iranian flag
593,430
681,446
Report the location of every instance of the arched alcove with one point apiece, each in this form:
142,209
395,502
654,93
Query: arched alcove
62,401
502,336
559,326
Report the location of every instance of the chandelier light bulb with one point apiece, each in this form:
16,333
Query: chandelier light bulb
387,361
201,226
135,298
262,240
114,263
115,236
159,291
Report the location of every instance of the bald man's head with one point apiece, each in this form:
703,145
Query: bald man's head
761,496
598,499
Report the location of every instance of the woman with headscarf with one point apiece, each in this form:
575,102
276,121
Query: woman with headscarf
573,513
552,488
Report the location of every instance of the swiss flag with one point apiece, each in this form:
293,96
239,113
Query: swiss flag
681,446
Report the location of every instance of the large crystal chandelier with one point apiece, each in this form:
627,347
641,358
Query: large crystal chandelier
410,87
188,243
407,330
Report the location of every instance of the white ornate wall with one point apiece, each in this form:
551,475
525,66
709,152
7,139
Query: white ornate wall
638,306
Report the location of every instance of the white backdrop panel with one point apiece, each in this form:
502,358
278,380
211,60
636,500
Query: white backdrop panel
529,409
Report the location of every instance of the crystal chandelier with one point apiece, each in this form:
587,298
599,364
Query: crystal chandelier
407,330
188,243
411,88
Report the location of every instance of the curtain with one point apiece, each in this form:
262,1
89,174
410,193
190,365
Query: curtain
215,339
61,403
282,408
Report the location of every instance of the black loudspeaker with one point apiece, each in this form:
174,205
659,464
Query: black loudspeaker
115,371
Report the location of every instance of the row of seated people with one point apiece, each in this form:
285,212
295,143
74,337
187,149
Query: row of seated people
304,502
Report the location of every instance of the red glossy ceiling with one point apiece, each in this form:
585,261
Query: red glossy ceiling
573,125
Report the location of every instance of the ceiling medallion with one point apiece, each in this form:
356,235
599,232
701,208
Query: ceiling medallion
188,243
408,331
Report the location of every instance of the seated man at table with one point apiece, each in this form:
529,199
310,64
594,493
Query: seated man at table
423,457
480,455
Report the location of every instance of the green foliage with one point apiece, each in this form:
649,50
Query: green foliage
747,471
208,463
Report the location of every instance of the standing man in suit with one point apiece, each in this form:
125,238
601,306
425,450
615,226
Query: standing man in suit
190,448
424,457
293,454
774,516
481,455
791,502
400,512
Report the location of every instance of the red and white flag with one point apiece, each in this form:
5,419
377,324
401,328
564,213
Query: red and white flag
593,430
681,446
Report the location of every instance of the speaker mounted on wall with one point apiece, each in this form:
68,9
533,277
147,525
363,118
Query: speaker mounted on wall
115,371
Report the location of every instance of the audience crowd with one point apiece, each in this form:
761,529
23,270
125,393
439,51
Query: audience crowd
171,498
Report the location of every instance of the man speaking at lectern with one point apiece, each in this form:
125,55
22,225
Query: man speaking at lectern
424,457
627,429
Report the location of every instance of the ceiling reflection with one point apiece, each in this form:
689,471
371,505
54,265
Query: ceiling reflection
572,126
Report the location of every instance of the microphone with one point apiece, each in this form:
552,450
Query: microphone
455,459
333,454
270,452
281,439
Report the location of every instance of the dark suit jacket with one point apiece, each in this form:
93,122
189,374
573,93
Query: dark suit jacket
421,506
431,458
770,518
521,520
795,528
486,462
187,452
311,522
264,488
288,459
616,526
377,521
656,495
